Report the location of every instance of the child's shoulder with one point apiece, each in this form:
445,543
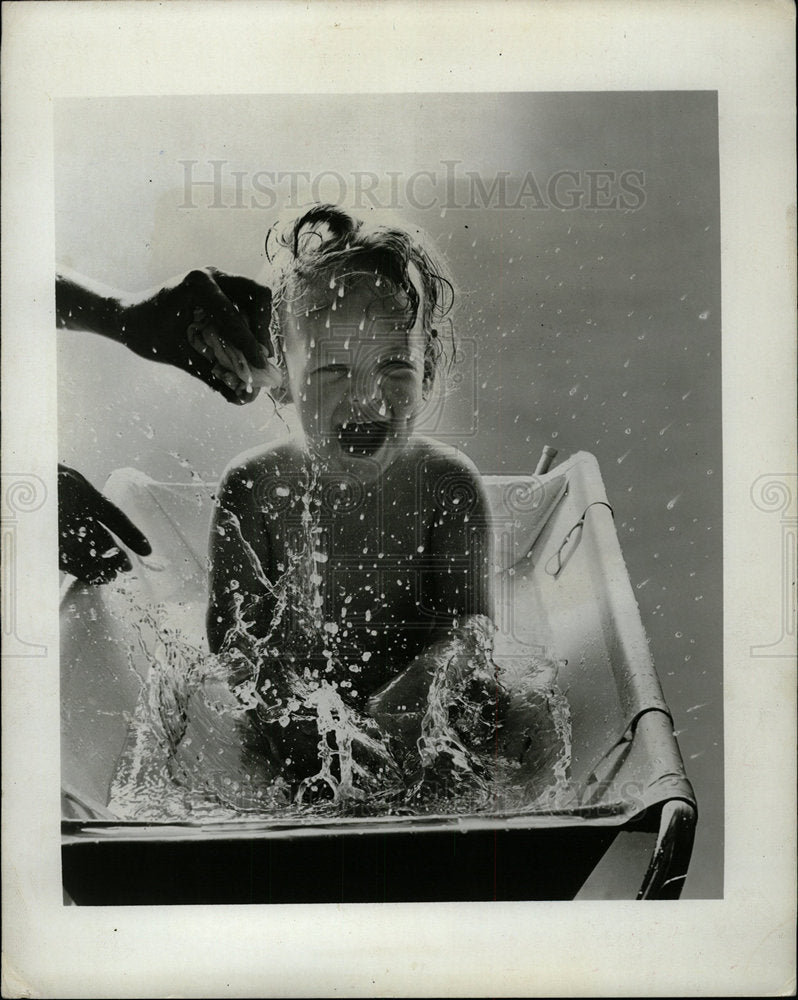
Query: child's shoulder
441,458
270,461
446,478
440,470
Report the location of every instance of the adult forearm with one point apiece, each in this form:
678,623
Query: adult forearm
212,325
81,304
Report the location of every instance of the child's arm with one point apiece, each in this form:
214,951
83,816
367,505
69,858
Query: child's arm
241,604
460,541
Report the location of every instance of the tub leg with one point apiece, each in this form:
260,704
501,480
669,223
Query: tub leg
671,859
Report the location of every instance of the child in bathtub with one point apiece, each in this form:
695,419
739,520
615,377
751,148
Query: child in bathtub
359,562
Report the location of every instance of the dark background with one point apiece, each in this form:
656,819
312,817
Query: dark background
589,328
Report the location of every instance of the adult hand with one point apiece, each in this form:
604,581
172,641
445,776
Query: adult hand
86,518
214,326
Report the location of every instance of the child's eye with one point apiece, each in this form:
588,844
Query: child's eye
398,366
331,370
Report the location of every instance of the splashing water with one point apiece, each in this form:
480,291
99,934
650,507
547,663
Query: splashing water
254,732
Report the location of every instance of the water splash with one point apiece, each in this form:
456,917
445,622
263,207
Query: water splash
267,727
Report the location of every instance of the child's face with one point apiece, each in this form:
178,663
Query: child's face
355,365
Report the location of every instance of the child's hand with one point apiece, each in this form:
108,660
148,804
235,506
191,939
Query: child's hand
87,549
445,768
212,325
479,714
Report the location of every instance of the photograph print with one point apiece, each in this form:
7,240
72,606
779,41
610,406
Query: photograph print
390,497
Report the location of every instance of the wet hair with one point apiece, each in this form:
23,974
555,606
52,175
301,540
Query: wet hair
327,240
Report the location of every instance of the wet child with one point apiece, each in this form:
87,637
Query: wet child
350,573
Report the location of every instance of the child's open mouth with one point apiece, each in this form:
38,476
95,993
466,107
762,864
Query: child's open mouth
362,438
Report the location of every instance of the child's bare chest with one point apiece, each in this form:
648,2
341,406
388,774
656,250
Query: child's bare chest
365,544
377,561
372,566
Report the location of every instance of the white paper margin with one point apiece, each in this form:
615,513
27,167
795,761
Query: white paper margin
742,944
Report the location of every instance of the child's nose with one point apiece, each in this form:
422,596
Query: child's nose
365,386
